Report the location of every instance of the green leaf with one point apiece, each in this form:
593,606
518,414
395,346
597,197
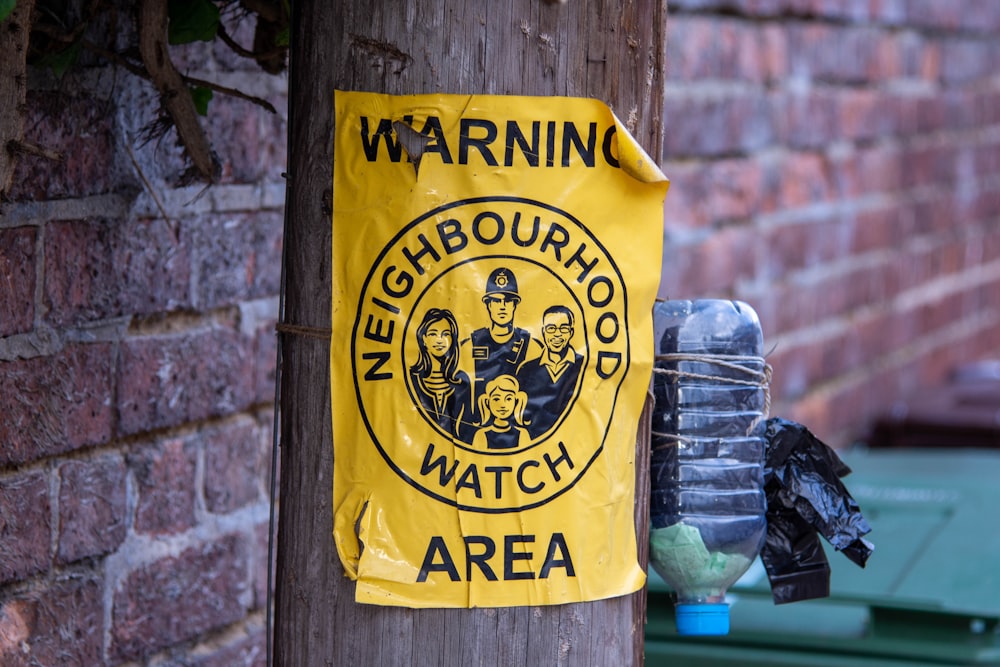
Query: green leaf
201,96
192,21
61,61
6,7
281,39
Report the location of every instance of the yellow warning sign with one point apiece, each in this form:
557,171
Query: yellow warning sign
495,263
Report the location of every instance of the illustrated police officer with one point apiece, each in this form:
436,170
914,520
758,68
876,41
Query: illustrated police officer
502,347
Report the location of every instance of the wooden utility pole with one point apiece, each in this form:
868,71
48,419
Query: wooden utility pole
605,49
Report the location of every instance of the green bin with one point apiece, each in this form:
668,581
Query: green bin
930,594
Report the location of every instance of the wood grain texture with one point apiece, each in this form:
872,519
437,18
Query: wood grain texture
604,49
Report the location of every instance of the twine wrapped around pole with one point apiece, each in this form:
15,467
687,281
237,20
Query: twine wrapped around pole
761,378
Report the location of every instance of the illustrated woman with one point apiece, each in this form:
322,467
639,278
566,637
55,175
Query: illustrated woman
502,409
444,391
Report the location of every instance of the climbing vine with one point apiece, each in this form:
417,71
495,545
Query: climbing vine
137,38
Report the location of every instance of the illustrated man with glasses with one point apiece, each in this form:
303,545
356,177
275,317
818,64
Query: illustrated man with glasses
551,379
502,347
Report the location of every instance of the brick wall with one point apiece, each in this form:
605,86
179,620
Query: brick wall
136,377
836,164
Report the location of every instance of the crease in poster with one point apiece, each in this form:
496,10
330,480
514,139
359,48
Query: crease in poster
495,263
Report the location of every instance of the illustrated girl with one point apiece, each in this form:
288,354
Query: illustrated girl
502,408
443,391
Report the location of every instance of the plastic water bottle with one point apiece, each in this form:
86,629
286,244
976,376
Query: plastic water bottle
708,506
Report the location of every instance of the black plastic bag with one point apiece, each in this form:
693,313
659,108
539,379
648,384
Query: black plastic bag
805,499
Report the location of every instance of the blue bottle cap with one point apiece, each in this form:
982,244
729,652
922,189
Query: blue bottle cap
702,619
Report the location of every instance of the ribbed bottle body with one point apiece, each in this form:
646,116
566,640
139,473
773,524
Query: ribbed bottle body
707,501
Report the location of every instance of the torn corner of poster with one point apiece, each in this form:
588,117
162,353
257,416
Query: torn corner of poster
350,521
494,347
634,160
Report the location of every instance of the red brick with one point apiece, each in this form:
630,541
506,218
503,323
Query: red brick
991,243
232,466
868,285
265,371
987,156
964,61
261,564
689,47
774,52
981,16
844,55
878,170
803,179
17,280
881,334
25,525
865,115
237,256
55,404
986,297
808,120
987,107
796,246
912,268
165,481
829,359
960,109
814,411
757,294
985,206
797,305
984,343
701,48
936,365
977,246
900,108
78,267
887,63
850,351
930,62
711,267
939,314
933,14
716,125
920,58
735,189
790,372
177,599
931,113
875,229
254,139
81,129
92,508
61,624
686,204
169,380
100,269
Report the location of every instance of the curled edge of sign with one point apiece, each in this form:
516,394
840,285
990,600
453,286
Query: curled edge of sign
633,159
349,528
